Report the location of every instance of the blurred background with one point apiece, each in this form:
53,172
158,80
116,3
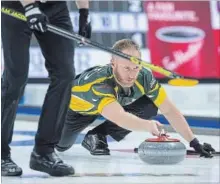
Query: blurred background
182,36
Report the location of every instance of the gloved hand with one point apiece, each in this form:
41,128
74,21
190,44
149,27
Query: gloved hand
85,28
205,150
36,20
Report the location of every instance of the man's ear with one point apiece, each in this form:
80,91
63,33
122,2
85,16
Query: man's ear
112,62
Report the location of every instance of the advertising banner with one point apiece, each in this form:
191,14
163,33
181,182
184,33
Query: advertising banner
181,38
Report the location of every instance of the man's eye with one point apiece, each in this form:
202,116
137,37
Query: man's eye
136,68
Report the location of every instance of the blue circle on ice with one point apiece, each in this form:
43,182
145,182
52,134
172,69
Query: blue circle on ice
30,141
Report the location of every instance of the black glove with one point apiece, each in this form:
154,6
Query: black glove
85,28
36,20
205,150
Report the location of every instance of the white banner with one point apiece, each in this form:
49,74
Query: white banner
84,58
201,100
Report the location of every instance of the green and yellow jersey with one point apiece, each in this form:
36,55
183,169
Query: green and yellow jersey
96,87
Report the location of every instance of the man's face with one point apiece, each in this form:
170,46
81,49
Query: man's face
124,70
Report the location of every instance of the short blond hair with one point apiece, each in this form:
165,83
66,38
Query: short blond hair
126,44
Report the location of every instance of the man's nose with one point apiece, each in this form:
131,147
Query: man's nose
132,75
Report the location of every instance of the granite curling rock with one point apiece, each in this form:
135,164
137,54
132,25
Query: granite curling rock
162,150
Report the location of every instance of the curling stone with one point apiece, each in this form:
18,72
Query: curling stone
162,150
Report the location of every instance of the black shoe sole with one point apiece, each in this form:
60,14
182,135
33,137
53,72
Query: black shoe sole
39,167
11,173
87,146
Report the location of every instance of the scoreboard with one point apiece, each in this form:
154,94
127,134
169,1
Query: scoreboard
114,20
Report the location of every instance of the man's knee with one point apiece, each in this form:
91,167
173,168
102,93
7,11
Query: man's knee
67,139
66,142
62,149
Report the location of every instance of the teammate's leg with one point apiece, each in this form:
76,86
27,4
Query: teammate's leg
58,52
15,42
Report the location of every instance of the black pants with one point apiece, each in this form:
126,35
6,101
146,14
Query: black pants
75,122
58,53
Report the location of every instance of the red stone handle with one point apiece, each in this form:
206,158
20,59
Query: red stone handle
163,137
